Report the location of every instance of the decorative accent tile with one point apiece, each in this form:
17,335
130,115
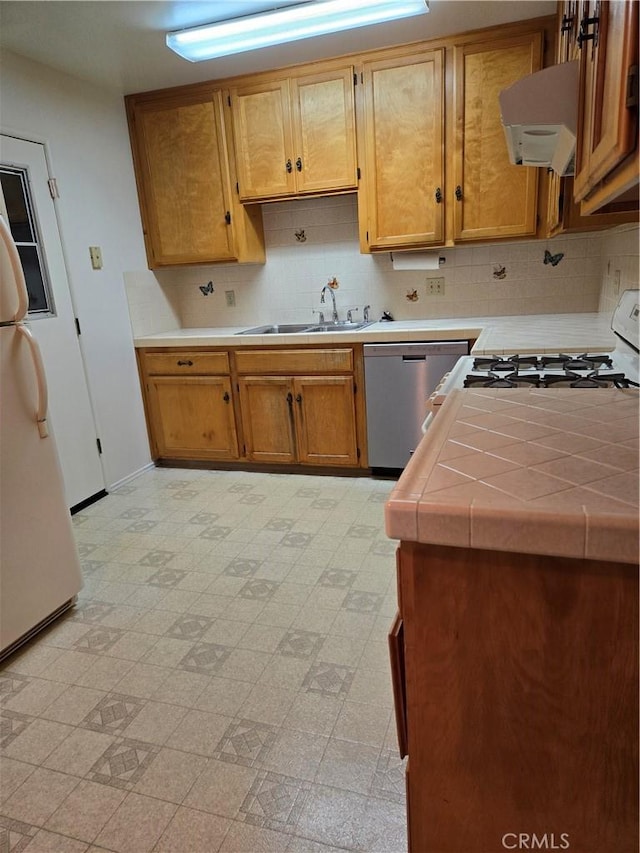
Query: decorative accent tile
190,627
98,640
242,568
330,679
296,540
383,549
274,801
363,602
141,526
308,493
10,685
378,497
246,742
156,558
12,724
123,763
300,644
324,503
113,713
93,611
389,778
78,520
252,499
134,512
85,548
260,589
204,518
184,495
90,567
15,834
206,658
177,485
280,524
337,578
362,531
166,577
240,488
215,532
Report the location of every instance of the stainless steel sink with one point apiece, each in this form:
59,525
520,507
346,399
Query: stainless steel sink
276,329
295,328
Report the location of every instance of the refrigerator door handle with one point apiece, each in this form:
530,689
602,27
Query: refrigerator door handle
16,268
41,380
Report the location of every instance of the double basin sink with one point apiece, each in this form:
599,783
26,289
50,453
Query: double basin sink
297,328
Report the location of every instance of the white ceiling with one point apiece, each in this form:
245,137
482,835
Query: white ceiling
119,44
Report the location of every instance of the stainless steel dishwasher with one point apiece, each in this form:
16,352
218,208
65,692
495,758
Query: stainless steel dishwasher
398,380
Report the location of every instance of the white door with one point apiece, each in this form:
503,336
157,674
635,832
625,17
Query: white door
27,204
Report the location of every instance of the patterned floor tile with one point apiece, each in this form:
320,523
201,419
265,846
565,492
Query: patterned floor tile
330,679
206,658
93,611
15,835
246,742
163,577
296,540
337,578
389,781
11,684
274,801
12,725
260,589
242,568
123,763
190,627
363,602
113,713
98,640
300,644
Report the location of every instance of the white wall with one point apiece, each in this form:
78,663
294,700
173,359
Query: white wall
619,252
288,287
85,131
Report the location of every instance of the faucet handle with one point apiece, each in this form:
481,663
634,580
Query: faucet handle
365,313
350,314
320,315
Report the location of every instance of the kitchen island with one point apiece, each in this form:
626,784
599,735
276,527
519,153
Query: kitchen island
515,650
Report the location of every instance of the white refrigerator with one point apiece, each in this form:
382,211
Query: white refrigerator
39,567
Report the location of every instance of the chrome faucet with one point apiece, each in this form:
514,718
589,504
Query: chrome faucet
333,300
366,313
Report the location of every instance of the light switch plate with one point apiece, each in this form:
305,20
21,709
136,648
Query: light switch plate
230,298
95,253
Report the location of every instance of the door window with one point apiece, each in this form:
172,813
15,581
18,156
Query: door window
24,230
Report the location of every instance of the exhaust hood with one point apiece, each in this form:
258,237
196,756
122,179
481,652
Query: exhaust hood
540,115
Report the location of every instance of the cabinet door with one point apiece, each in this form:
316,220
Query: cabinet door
607,124
402,152
325,420
262,140
491,197
324,133
184,180
191,417
266,404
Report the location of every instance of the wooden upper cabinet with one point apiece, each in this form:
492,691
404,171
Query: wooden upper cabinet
401,152
182,165
491,197
295,136
608,116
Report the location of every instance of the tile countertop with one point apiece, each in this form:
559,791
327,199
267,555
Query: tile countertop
538,471
495,335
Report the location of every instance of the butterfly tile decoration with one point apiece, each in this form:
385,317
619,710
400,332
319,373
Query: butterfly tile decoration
499,271
300,236
554,260
412,296
206,289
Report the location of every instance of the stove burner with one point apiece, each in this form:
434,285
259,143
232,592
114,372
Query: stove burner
595,379
497,362
576,362
493,380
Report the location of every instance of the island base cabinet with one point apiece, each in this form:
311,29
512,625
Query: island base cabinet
192,417
521,679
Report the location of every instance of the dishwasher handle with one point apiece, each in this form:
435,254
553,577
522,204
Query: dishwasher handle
418,351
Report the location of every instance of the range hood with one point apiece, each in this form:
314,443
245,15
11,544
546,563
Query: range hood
540,116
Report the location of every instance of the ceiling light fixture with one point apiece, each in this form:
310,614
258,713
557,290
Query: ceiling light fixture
290,23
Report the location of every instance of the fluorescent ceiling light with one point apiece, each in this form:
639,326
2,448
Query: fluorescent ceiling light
290,23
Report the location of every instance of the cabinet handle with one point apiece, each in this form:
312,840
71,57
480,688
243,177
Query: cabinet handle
188,363
583,35
227,218
438,195
458,193
298,398
288,166
299,164
290,399
226,397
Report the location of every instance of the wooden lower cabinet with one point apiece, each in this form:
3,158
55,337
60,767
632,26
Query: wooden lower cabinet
521,684
306,419
192,417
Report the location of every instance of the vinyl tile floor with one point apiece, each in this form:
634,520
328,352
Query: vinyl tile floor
222,683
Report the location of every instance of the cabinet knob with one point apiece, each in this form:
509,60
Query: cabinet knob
288,166
438,195
299,164
187,363
227,217
298,398
226,397
458,193
290,398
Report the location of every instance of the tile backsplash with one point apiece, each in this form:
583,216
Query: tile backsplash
311,241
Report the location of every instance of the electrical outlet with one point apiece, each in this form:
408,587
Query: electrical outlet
230,298
95,253
435,286
616,282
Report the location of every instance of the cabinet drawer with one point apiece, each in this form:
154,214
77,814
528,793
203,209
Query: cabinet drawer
187,363
295,361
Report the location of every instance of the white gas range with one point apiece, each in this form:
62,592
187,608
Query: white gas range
618,368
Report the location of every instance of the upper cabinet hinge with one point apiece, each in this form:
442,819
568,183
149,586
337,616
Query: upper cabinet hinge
227,217
78,332
237,188
632,87
53,188
359,173
355,79
229,99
